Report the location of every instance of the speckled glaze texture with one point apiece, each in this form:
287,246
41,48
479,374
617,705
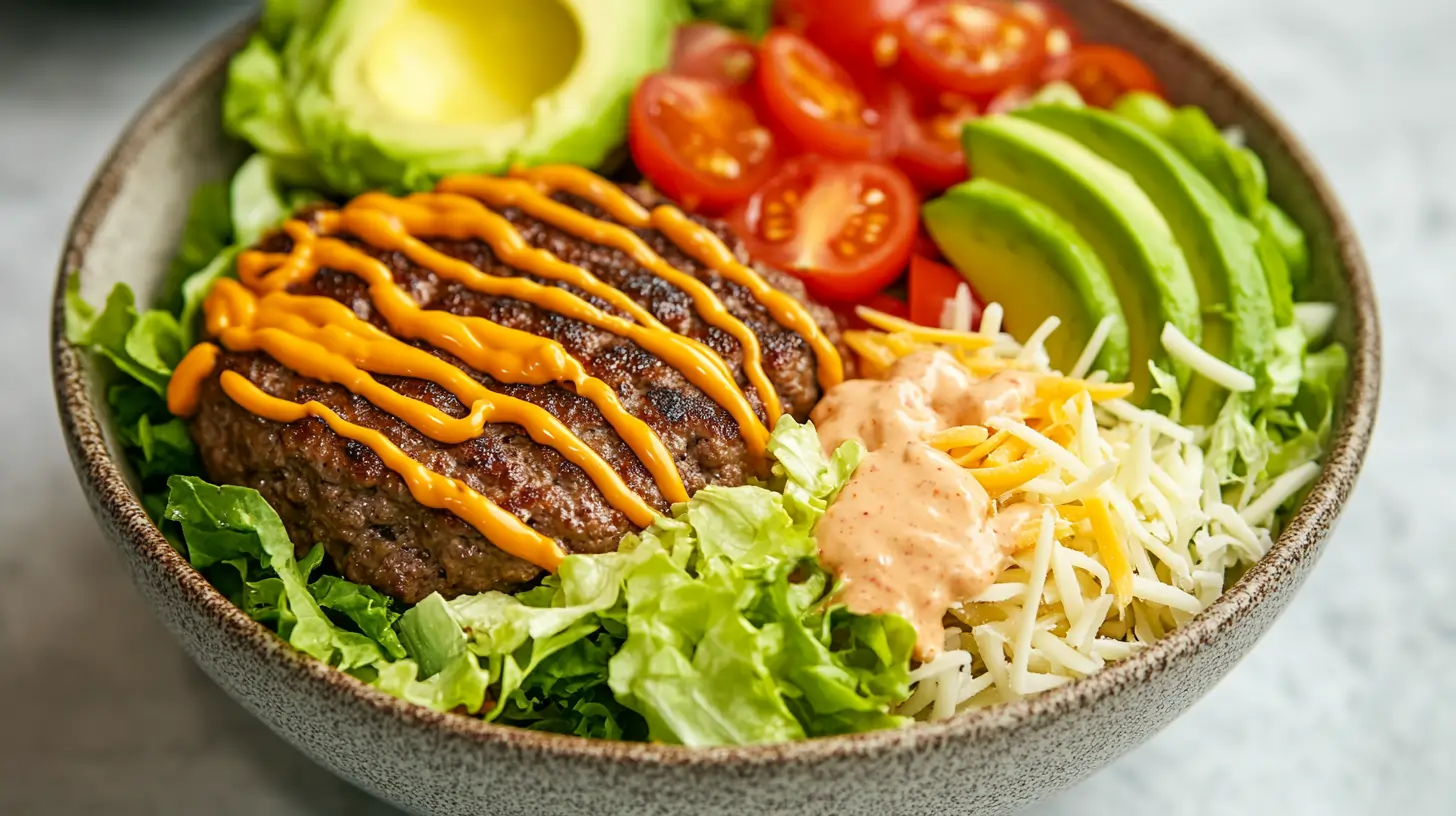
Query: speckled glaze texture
992,761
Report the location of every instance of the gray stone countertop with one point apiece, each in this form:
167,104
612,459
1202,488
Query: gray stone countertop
1347,707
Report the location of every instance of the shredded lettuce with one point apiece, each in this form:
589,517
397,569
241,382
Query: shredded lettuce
714,626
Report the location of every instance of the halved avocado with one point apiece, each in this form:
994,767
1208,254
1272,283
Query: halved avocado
1219,245
416,89
1023,256
1108,209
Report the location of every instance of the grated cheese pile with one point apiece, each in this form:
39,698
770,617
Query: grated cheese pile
1136,535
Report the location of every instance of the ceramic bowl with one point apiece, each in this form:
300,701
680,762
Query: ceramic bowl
988,761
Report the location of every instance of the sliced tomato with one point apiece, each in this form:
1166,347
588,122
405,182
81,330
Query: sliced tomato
1103,73
712,51
857,33
811,97
1061,32
882,302
699,142
973,47
843,227
931,285
925,137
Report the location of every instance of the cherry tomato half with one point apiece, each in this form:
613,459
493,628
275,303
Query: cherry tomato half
811,97
925,137
698,142
711,51
1060,31
843,227
973,47
1103,73
856,33
931,285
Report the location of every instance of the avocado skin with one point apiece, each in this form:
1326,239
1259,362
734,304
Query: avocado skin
1016,252
1219,245
1105,205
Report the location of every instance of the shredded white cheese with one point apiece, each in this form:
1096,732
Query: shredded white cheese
1185,351
1055,614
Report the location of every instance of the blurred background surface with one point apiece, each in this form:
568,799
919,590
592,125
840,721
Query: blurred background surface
1347,707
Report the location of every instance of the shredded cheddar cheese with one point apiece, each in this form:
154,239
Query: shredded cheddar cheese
1135,540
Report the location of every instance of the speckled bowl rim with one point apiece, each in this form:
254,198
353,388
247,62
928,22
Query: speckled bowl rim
103,479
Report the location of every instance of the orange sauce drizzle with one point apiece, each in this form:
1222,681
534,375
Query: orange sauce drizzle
323,339
499,192
697,241
334,354
428,487
185,387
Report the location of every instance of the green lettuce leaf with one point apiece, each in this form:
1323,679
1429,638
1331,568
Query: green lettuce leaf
368,608
461,684
257,105
431,635
752,16
713,626
257,203
206,233
1165,385
225,523
143,349
1285,370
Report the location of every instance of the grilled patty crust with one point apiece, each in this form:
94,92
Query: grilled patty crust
337,492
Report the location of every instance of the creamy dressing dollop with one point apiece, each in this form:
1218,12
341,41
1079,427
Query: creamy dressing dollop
913,532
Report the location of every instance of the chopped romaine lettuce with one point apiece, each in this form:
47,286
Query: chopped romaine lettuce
224,523
431,635
206,233
714,626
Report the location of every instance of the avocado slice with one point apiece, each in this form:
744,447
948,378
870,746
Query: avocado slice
1239,176
397,93
1108,209
1025,257
1219,245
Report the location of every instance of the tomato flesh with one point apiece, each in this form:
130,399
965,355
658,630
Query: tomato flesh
1060,32
1102,74
698,142
925,138
712,51
973,47
811,97
843,227
931,285
856,33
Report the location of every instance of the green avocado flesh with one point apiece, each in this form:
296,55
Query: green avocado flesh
1106,207
1218,244
1026,258
397,93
